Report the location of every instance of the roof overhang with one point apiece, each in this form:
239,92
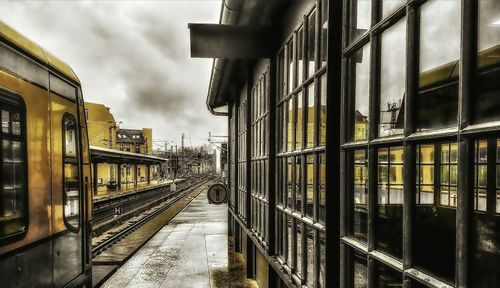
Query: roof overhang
101,155
230,41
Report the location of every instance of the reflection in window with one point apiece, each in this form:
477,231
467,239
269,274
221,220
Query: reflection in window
289,241
358,269
497,209
298,249
290,69
298,184
300,55
389,6
435,171
324,32
281,75
480,174
359,208
322,111
387,277
298,122
439,64
425,174
448,188
487,99
13,193
290,125
310,256
322,187
389,218
322,260
310,123
311,44
360,18
392,79
289,188
310,185
359,91
71,184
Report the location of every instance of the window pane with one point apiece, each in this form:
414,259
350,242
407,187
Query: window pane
5,121
387,277
358,277
359,90
486,226
298,184
281,75
322,187
436,254
300,55
291,66
324,32
311,44
298,247
310,185
322,111
359,197
360,18
389,218
310,256
487,100
439,64
289,181
392,79
290,125
71,191
310,115
322,260
480,175
299,122
389,6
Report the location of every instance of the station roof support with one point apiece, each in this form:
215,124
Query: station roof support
100,155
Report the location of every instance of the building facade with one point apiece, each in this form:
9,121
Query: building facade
363,139
104,132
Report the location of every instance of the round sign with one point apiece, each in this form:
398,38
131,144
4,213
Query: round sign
217,193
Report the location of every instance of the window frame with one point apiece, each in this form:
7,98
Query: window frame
70,117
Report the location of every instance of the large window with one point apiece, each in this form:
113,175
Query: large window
301,138
13,193
359,87
71,173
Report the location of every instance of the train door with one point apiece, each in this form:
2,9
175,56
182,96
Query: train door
67,194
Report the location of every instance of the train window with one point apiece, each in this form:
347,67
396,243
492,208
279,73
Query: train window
437,102
13,193
392,79
389,216
487,102
359,64
71,174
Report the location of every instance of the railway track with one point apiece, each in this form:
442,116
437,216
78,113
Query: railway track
114,235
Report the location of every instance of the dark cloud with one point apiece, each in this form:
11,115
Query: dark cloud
132,56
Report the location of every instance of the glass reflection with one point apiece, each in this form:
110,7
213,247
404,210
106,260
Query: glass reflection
298,249
299,122
290,125
389,6
487,100
358,270
448,187
425,174
311,44
486,236
387,277
480,175
360,18
322,187
392,79
437,102
291,67
310,185
310,257
310,121
324,32
300,55
298,184
289,181
359,200
359,90
389,217
322,111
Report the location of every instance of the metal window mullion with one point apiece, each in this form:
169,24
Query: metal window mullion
409,201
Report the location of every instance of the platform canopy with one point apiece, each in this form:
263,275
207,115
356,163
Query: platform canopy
101,155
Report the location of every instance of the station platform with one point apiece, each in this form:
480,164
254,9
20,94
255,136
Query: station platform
187,252
129,188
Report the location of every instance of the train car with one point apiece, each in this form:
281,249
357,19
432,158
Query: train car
45,198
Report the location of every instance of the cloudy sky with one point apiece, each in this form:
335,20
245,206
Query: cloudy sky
132,56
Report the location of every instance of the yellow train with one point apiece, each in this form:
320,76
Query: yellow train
45,197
